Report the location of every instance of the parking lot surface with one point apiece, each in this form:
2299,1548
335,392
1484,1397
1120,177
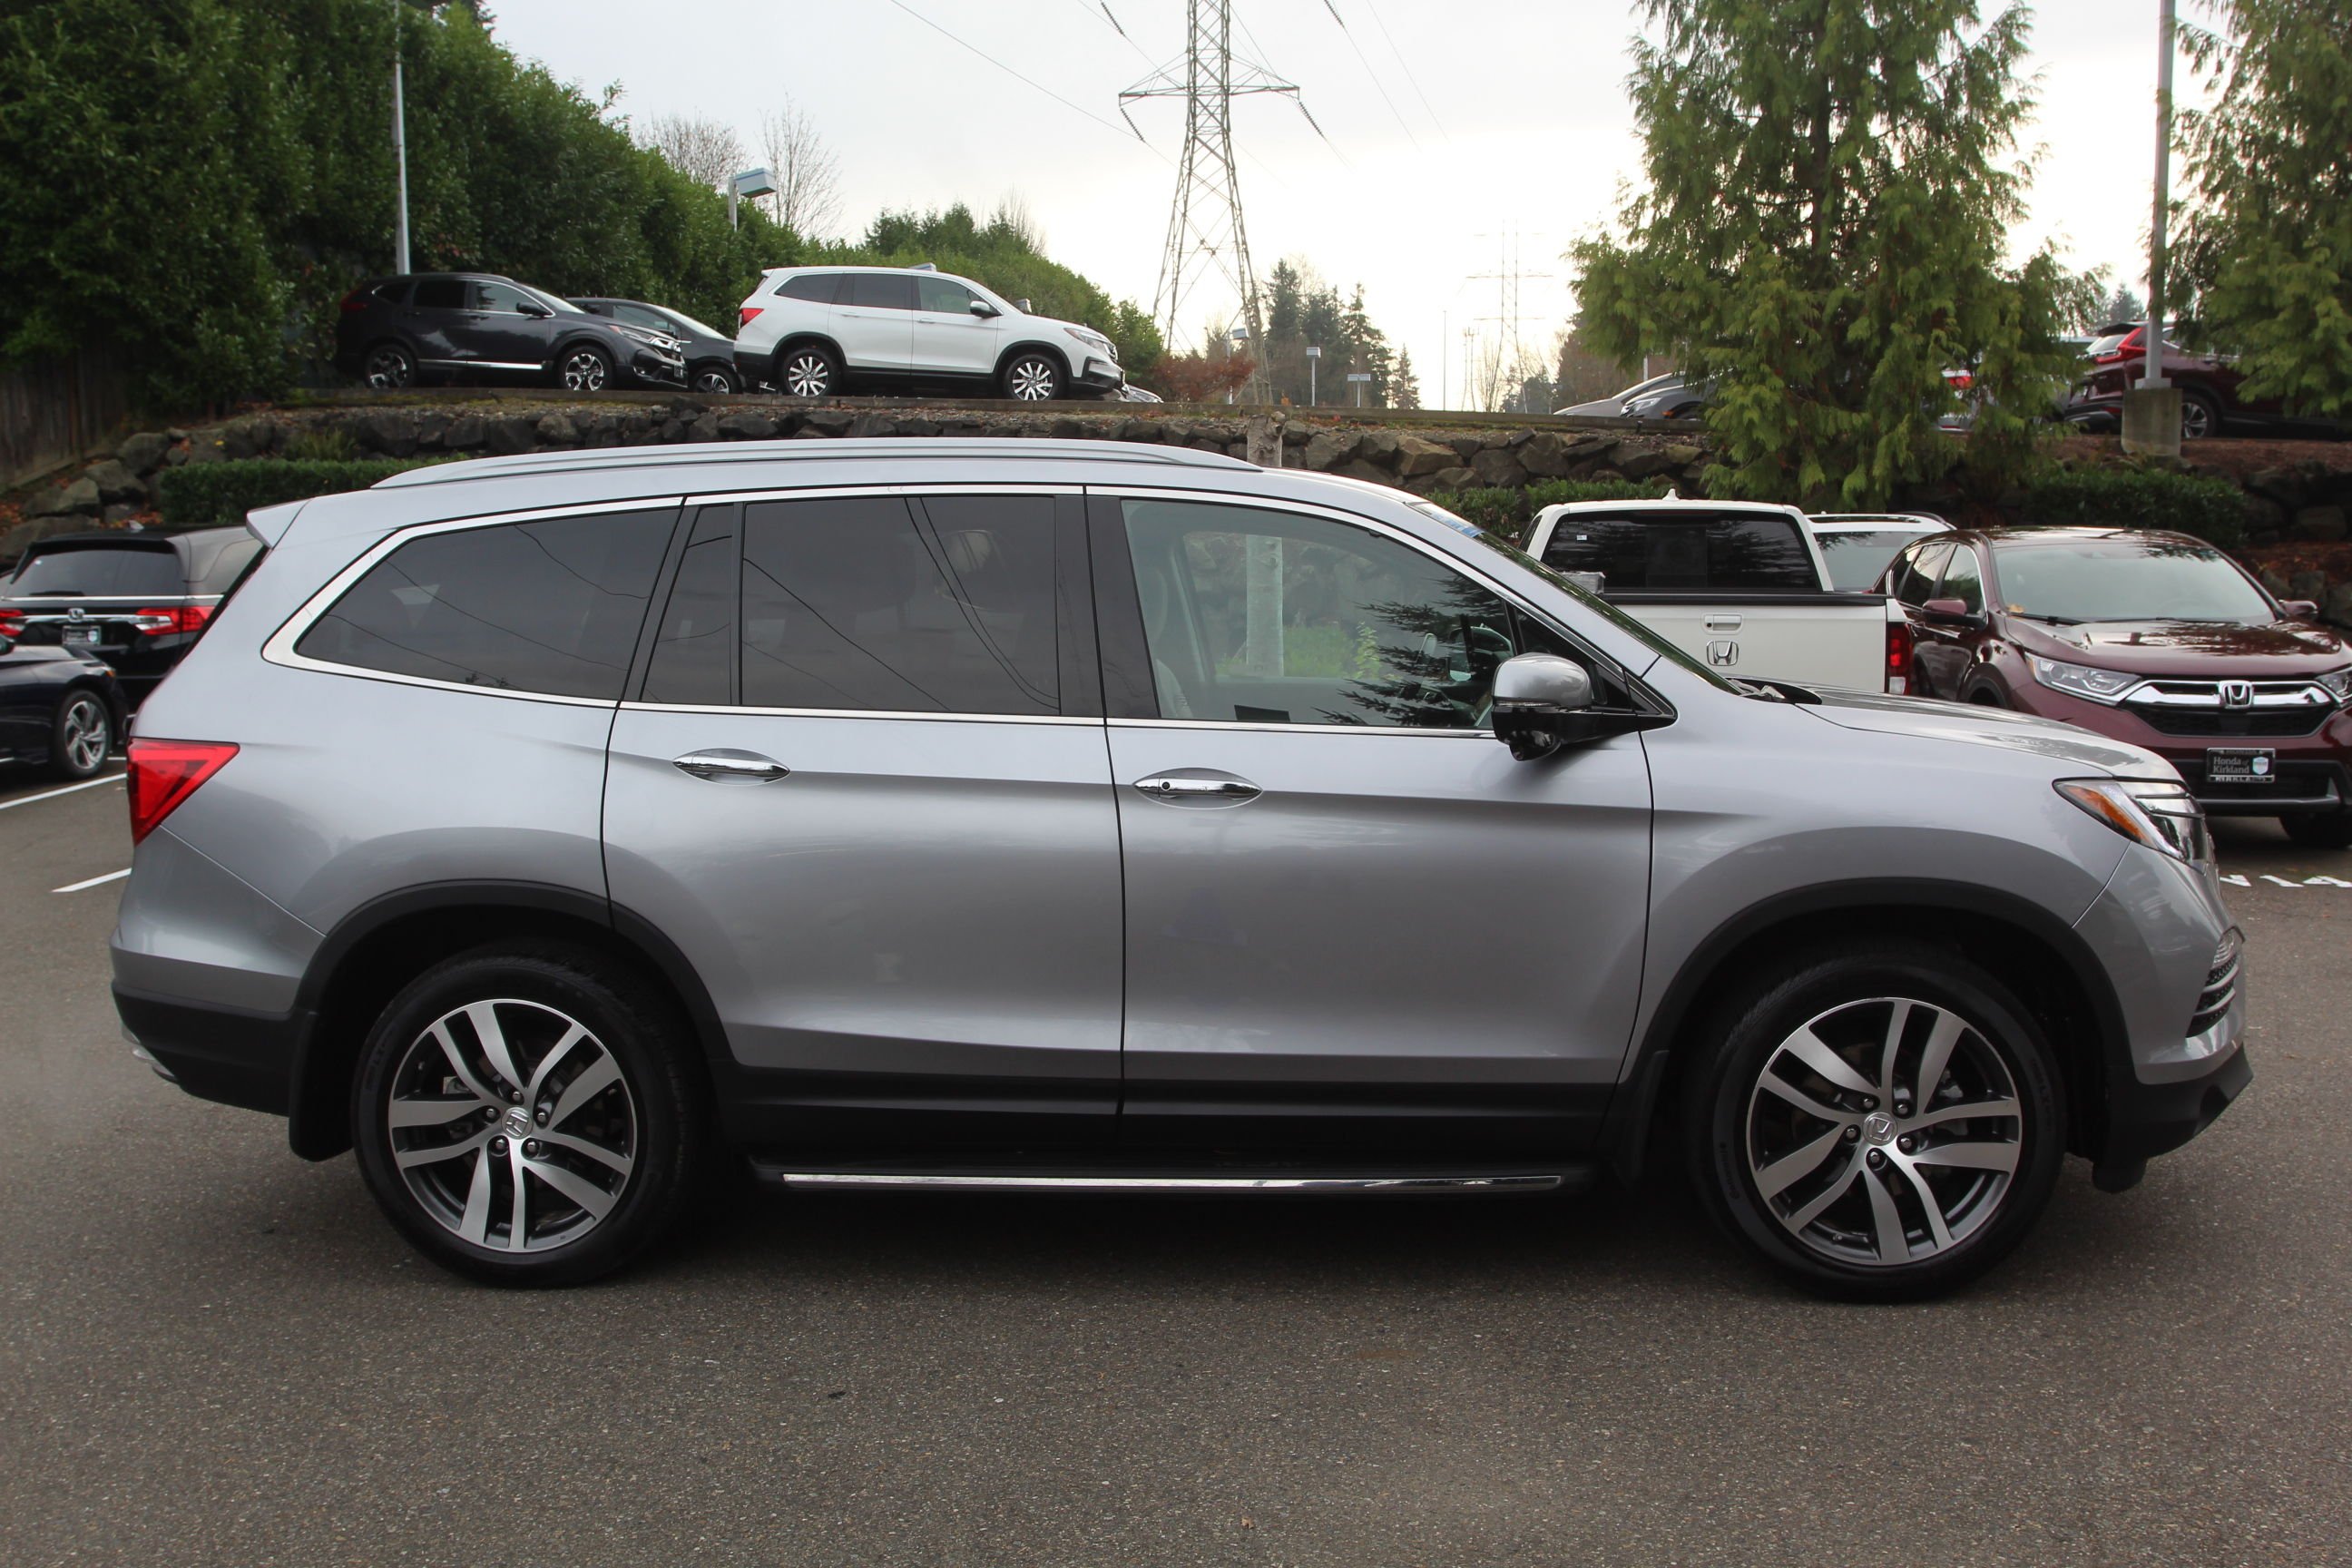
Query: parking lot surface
211,1352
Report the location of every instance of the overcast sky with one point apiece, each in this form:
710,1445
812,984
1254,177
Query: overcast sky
1456,130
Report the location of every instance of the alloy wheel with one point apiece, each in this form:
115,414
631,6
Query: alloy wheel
389,369
512,1125
807,374
1884,1131
86,733
1031,380
584,371
713,380
2196,420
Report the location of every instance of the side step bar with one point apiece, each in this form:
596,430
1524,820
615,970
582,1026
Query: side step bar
951,1181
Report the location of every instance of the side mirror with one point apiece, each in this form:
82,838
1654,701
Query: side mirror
533,308
983,309
1948,610
1540,703
2298,609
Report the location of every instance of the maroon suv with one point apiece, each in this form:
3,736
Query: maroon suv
2155,638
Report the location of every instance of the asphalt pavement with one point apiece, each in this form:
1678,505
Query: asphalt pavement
212,1352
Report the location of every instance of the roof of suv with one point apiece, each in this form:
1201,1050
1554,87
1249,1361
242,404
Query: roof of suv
874,449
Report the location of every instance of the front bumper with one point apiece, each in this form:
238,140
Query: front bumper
2311,773
2145,1120
656,369
1099,375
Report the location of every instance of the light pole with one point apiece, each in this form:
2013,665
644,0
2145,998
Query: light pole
1359,377
1237,337
750,183
1314,358
399,143
2152,409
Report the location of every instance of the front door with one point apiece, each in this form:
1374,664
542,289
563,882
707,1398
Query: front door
507,341
949,340
865,791
1946,650
1354,921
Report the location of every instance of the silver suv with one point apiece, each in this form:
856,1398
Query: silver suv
1047,814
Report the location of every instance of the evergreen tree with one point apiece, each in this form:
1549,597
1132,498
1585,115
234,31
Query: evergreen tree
1823,234
1404,388
2123,305
2268,244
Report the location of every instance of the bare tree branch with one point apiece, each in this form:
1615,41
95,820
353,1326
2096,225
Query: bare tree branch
807,173
706,151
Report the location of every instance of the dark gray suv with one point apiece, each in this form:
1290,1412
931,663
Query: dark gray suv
1036,816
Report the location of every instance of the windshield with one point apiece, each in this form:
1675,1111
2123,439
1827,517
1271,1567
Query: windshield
1593,602
2069,585
1653,385
1856,557
694,326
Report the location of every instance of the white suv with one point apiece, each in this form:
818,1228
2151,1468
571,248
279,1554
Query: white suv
812,331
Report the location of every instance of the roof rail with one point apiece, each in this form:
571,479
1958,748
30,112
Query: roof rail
897,448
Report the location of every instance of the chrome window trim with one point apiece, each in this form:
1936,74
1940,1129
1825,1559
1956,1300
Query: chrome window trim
896,714
280,648
1388,531
824,492
1443,734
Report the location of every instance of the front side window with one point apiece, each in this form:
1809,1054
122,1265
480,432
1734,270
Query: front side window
502,296
1268,618
880,604
942,295
1635,552
1915,584
552,607
1963,582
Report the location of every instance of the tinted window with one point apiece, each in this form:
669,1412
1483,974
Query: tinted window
440,294
1962,580
2151,581
1855,559
552,607
638,316
694,654
879,291
503,296
393,292
941,294
816,286
1916,583
1270,618
101,570
1664,551
883,604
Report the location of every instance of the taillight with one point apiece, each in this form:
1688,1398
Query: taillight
1898,658
162,773
163,623
12,623
743,315
354,301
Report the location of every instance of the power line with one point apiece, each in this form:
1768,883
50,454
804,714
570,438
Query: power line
1369,75
1407,65
1031,81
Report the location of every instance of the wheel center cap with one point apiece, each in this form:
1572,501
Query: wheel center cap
517,1122
1878,1129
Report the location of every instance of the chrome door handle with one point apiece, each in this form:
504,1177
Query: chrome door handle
1165,786
1723,623
731,767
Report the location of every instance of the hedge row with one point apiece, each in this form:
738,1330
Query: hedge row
1510,511
2212,509
208,495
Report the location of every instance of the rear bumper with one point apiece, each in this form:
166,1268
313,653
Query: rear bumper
225,1053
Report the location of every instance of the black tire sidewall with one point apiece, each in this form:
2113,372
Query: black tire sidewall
630,1021
2317,832
1753,1024
61,761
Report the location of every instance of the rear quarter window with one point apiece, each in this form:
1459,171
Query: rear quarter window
552,607
817,288
1669,551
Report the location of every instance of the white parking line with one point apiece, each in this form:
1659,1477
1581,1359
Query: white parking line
2239,879
52,794
94,882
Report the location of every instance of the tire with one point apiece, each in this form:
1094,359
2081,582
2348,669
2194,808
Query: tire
389,367
714,379
808,370
1032,376
622,1119
2317,831
583,367
81,735
1809,1168
2199,416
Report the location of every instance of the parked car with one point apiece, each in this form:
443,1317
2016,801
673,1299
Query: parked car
980,816
2157,639
2213,400
138,601
1614,407
59,707
477,328
814,331
1739,584
709,353
1856,546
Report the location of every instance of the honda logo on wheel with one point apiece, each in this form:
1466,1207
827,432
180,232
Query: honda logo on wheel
1723,654
2237,694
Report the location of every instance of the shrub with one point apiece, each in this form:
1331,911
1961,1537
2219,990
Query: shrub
2212,509
1509,511
210,495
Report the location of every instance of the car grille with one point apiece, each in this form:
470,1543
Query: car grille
2221,988
2199,707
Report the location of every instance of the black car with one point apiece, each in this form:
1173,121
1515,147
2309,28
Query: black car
59,707
475,327
136,602
709,353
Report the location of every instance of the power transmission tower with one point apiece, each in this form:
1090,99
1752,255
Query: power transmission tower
1511,355
1205,231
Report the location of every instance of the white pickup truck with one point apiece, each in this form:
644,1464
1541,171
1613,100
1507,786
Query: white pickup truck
1738,584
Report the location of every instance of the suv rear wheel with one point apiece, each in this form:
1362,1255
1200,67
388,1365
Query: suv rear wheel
1880,1121
523,1116
807,370
83,735
389,368
2200,417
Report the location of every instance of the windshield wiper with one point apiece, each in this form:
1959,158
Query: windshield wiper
2047,620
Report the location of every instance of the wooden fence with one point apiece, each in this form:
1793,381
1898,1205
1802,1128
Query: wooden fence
54,410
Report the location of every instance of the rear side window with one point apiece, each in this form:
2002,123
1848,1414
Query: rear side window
879,291
552,607
1667,552
815,287
103,571
394,292
694,654
440,294
884,604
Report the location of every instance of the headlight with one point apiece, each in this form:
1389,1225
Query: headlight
653,340
2158,813
2339,681
1096,341
2106,686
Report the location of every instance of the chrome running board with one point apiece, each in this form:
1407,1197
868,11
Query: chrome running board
950,1181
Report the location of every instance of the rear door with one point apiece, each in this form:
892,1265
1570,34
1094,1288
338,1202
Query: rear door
863,788
438,321
875,322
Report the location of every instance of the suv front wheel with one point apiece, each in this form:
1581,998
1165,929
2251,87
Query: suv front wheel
1880,1121
1033,377
522,1115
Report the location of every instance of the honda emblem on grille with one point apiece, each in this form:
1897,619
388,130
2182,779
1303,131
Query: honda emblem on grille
76,614
1723,654
2237,694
